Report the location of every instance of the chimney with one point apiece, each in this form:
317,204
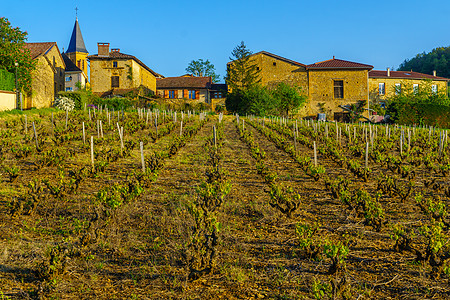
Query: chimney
388,72
115,50
103,49
434,73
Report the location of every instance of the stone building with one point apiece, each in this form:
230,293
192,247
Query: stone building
113,73
185,87
75,59
48,77
383,84
328,84
334,83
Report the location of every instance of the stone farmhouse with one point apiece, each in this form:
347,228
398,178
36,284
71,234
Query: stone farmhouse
48,77
113,73
333,83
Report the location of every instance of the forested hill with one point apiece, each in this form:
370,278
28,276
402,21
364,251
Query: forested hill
437,59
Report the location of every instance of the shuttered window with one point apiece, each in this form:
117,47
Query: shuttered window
114,81
339,89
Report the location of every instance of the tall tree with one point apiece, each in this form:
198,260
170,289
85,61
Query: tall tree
288,97
12,50
203,68
242,73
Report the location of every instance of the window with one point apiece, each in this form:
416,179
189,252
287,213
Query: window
79,64
191,94
434,89
381,88
69,89
82,64
114,81
398,88
114,64
274,64
339,89
68,78
415,88
171,94
257,68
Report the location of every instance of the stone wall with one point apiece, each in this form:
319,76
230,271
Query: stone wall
390,85
274,71
131,75
321,89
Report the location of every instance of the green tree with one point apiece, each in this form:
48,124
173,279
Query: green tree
12,50
288,97
242,73
201,68
255,100
427,62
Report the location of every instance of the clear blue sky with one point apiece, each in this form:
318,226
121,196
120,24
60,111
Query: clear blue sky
167,35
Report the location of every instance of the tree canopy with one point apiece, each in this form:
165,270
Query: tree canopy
242,73
426,63
12,50
201,68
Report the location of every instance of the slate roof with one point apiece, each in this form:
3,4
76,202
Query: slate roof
404,75
184,82
338,64
119,55
76,43
70,66
36,49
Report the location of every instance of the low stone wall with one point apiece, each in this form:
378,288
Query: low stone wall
7,100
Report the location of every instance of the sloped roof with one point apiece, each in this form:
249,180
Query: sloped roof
219,86
37,49
338,64
76,43
184,82
119,55
404,75
70,66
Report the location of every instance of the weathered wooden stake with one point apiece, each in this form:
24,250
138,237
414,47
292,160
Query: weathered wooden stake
67,117
35,136
367,155
215,136
315,154
84,135
142,157
92,152
181,128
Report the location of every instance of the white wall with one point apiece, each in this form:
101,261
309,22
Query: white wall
7,100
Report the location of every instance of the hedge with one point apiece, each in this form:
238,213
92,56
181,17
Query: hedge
7,82
430,114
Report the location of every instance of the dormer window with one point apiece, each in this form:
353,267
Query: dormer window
114,64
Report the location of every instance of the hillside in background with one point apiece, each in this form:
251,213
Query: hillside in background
437,60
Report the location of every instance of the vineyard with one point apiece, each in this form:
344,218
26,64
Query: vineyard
155,204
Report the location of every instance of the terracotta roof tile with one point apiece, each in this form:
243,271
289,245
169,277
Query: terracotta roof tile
184,82
338,64
404,75
119,55
37,49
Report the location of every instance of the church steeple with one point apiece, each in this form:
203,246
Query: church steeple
76,43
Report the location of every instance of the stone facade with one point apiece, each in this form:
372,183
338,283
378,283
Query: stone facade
317,81
118,71
322,89
392,79
275,69
47,78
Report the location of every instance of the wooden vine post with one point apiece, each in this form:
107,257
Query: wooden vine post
92,153
142,156
315,154
367,155
84,135
35,136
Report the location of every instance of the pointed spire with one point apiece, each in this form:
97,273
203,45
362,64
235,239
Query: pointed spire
76,41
